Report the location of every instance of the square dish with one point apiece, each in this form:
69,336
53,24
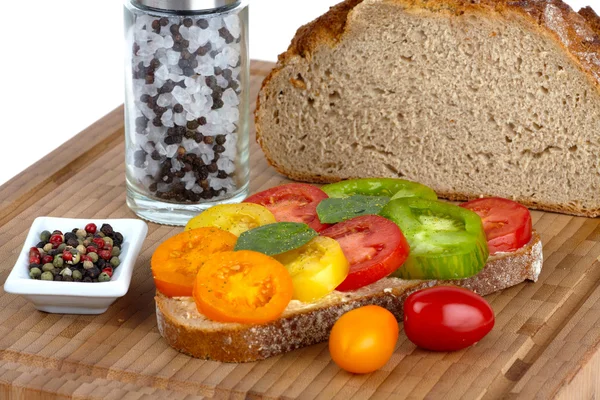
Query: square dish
77,297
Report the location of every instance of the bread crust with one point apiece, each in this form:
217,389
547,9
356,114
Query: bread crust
577,33
304,327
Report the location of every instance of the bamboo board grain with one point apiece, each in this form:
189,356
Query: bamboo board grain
546,342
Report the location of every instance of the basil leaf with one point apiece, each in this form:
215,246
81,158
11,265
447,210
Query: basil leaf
276,238
334,210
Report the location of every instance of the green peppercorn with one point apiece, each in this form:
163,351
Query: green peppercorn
66,272
115,262
47,247
100,234
76,257
48,267
93,256
62,247
77,275
81,249
88,264
35,273
47,276
45,236
81,233
107,240
116,252
58,261
87,242
103,277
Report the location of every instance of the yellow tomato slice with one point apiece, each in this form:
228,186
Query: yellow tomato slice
317,268
233,218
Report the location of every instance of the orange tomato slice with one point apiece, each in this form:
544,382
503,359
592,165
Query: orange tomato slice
176,261
243,286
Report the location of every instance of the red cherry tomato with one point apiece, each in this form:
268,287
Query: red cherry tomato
374,246
507,224
294,202
446,318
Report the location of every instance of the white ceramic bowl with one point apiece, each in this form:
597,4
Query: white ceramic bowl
77,297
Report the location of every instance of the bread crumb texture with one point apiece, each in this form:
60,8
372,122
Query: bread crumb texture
472,98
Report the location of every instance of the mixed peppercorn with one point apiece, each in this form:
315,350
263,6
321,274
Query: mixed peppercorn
82,255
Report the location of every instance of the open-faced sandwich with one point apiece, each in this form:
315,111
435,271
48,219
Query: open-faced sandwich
249,281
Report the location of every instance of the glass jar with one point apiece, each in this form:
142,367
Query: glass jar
186,106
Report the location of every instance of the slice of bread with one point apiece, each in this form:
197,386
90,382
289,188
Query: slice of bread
486,97
304,324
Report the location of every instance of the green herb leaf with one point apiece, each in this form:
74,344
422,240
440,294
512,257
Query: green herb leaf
276,238
334,210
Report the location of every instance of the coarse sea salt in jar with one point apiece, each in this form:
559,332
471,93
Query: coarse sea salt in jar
186,106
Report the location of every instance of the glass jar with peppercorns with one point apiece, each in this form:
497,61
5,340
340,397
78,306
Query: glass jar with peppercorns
186,106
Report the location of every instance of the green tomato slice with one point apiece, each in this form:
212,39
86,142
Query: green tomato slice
446,241
389,187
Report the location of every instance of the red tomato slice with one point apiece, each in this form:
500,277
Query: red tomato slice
507,224
294,202
374,246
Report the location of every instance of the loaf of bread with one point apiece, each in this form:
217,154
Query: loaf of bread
304,324
470,97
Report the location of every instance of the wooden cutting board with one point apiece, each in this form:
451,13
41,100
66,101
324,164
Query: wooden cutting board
545,342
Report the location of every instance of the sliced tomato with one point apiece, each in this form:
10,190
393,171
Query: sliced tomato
242,286
233,218
176,261
374,246
294,202
507,224
317,268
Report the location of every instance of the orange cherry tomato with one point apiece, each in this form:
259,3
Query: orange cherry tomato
176,261
242,286
363,340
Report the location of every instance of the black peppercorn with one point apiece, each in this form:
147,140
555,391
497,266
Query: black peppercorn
217,103
177,46
201,121
199,138
149,79
225,34
193,124
190,134
164,21
144,98
87,279
212,168
218,148
177,108
187,22
155,155
188,71
202,23
174,29
157,122
220,139
107,229
141,122
203,50
183,63
153,187
208,139
156,25
221,174
185,43
218,71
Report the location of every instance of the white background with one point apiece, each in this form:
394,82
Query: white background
61,66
